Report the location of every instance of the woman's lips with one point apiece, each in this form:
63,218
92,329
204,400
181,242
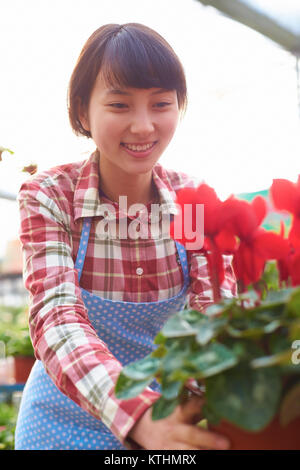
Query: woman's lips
138,154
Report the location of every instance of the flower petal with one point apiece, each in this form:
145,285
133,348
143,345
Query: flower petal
270,245
226,241
239,217
259,206
295,270
284,195
247,265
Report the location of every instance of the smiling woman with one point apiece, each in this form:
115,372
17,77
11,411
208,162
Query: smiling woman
130,139
98,302
127,91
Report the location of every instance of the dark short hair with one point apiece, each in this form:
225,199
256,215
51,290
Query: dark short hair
129,55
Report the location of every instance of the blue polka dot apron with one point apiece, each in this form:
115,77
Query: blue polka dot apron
47,418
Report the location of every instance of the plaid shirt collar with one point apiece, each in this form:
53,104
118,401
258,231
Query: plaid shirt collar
89,203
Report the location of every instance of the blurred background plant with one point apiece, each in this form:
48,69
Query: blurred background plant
8,418
14,331
15,343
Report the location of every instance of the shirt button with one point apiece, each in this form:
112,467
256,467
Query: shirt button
139,271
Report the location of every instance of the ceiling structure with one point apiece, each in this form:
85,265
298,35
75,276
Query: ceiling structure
279,20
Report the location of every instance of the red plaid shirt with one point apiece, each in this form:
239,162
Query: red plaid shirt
52,207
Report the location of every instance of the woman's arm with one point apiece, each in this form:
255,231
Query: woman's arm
63,338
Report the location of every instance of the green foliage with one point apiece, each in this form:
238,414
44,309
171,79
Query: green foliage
8,418
240,351
19,343
246,397
14,331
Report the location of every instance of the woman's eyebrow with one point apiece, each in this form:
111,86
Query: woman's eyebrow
115,91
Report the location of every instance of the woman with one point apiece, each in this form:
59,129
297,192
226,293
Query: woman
100,294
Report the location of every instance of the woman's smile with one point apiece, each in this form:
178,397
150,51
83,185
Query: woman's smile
139,150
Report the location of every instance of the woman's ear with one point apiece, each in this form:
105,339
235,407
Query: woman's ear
83,115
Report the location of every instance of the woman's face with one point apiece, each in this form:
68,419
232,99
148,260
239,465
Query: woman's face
124,123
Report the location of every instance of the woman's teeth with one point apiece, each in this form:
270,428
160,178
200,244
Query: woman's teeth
139,148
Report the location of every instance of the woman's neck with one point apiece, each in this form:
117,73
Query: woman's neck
137,188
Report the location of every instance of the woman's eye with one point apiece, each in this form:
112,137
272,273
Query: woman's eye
118,105
162,104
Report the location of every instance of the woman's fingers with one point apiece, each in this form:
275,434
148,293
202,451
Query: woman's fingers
191,437
191,410
189,414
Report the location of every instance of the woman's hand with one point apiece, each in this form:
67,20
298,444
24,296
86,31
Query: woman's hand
178,431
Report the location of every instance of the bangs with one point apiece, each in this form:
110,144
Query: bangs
132,61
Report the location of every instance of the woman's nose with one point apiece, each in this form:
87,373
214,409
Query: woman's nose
142,123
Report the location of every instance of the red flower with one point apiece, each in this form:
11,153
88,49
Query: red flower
216,240
295,269
286,196
213,224
192,196
256,244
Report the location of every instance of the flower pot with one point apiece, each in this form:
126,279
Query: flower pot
273,437
23,366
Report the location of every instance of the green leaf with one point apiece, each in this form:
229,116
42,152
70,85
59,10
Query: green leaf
271,275
283,357
170,388
142,369
159,338
192,316
182,374
209,329
214,309
176,326
210,415
211,360
251,297
293,306
163,408
127,388
279,343
243,349
244,332
160,351
246,397
277,297
294,330
253,327
174,359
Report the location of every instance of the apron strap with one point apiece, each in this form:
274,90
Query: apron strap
184,262
85,232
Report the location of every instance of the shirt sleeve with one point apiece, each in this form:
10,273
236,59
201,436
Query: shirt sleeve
76,359
200,294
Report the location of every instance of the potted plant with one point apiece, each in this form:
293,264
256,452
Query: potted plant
14,333
19,346
243,352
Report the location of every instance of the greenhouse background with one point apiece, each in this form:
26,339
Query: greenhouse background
253,142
